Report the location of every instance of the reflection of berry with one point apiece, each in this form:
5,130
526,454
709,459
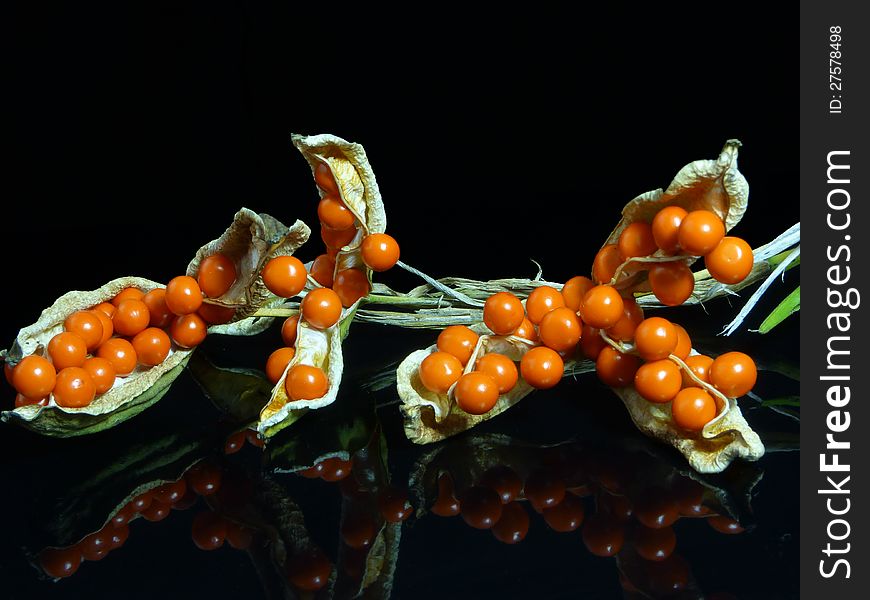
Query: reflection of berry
543,490
566,516
358,529
504,480
394,506
513,525
60,562
481,507
309,571
724,524
447,504
603,536
654,544
209,531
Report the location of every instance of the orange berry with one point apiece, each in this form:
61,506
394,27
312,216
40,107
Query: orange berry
693,408
67,350
188,331
655,338
476,393
334,213
87,326
666,228
102,373
215,314
183,295
615,368
684,342
700,232
542,367
289,330
731,261
636,240
277,363
121,354
658,381
131,317
502,370
107,308
305,382
439,371
541,301
526,331
159,313
34,377
216,275
285,276
574,290
152,346
130,293
503,313
324,179
323,270
351,285
700,366
605,263
591,342
321,308
733,374
632,316
336,239
74,388
380,251
602,307
560,329
106,322
459,341
671,282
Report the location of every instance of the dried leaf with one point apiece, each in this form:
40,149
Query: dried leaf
249,242
129,395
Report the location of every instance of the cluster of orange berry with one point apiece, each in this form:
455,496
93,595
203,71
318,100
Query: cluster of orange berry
674,231
286,276
109,340
202,479
596,319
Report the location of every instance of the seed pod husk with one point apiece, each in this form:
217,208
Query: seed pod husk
358,190
430,417
250,242
129,395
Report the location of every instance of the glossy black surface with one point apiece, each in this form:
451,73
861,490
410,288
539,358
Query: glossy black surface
494,141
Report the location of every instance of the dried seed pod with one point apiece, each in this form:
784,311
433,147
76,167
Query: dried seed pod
128,396
714,185
711,450
317,348
429,416
249,242
356,186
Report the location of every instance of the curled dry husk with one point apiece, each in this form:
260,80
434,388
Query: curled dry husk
250,241
726,437
430,417
322,348
715,185
129,395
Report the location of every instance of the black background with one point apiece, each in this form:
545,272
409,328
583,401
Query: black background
137,133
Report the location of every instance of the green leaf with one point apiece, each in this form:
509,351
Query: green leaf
784,401
790,305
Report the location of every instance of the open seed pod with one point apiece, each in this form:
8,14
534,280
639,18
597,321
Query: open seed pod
358,189
128,396
431,417
714,185
711,450
249,242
